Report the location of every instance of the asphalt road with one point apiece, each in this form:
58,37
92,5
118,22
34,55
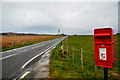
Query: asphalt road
16,61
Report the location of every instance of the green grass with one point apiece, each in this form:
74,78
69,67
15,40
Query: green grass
61,67
22,45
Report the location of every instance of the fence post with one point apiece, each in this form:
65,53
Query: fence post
67,52
63,49
73,55
81,59
11,43
22,41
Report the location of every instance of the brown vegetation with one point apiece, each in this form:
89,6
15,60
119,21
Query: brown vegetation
8,41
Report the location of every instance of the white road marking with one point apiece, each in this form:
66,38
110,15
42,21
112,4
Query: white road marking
23,76
25,50
46,53
14,79
38,46
7,57
37,56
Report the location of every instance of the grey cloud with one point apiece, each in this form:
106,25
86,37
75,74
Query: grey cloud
0,17
119,17
59,0
80,18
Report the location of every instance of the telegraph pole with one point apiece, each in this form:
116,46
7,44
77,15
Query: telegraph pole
58,31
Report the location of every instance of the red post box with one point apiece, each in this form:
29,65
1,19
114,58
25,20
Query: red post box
104,47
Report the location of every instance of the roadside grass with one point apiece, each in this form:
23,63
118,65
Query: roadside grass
61,66
22,45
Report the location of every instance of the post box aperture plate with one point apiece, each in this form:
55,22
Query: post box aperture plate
102,53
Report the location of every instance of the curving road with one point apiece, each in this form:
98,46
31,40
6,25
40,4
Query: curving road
16,61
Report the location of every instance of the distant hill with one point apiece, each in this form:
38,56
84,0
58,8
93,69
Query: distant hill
26,34
15,34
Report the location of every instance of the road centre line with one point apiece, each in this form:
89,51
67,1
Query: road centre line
38,46
7,57
25,50
37,56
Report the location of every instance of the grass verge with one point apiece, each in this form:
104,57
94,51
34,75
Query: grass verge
61,66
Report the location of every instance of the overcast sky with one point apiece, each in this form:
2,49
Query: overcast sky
70,17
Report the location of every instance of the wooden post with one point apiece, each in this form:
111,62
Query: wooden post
22,41
62,49
61,42
73,55
95,71
11,43
81,59
65,40
67,52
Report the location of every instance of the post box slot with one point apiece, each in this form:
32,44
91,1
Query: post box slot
103,39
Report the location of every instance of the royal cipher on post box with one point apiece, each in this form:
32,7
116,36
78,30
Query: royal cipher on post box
104,47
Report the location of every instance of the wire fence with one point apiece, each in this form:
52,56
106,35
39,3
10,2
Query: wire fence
86,62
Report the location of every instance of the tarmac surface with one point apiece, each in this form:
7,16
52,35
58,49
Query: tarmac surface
18,63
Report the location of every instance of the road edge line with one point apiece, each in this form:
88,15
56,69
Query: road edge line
25,74
37,56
